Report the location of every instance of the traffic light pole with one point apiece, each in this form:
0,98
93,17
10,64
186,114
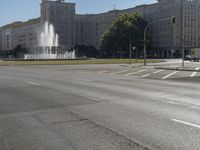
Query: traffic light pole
182,36
145,34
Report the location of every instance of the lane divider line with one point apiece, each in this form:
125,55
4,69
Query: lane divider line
186,123
169,75
32,83
132,73
119,72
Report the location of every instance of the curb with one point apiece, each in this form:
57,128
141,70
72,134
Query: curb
177,69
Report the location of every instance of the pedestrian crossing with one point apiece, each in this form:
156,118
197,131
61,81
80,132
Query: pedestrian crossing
161,74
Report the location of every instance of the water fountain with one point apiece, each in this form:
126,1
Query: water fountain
48,47
48,38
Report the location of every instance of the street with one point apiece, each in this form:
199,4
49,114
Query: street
99,107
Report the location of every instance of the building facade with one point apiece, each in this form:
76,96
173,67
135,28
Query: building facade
86,29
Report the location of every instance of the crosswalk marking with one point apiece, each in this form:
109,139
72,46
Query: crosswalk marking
197,68
132,73
169,75
119,72
158,71
195,73
146,75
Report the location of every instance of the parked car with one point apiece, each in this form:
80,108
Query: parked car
187,57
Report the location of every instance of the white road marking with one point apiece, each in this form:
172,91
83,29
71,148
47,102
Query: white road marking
5,77
146,75
158,71
82,79
194,73
186,123
195,107
32,83
119,72
105,71
132,73
171,102
197,68
169,75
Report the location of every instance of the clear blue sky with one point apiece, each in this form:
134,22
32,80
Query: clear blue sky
21,10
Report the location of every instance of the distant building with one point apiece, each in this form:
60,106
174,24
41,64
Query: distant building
79,29
62,16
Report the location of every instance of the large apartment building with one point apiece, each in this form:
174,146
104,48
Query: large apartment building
87,29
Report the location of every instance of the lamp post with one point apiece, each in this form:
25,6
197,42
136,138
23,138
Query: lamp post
145,34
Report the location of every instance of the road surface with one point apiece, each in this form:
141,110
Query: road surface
98,107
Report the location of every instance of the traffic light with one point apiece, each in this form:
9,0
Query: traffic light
174,20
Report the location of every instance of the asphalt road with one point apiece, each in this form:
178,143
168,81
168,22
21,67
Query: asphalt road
98,107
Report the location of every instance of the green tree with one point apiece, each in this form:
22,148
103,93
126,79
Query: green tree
125,30
86,51
19,51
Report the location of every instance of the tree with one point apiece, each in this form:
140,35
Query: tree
19,51
125,30
86,51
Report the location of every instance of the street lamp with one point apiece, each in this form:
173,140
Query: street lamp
145,34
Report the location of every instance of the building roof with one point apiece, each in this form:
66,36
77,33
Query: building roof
20,24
